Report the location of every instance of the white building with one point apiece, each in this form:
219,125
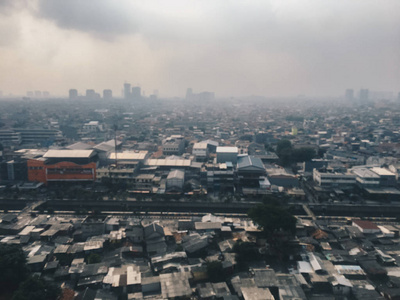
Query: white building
331,180
365,177
225,154
92,126
173,145
200,150
175,180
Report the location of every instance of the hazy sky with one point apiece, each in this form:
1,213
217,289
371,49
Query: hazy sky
234,48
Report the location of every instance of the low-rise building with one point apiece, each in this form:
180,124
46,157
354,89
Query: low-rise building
200,150
227,154
366,178
92,126
173,145
332,180
175,181
63,166
366,226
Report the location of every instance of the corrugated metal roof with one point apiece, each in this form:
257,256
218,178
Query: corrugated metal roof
128,155
69,154
107,146
169,162
382,171
227,149
200,146
364,173
176,174
249,161
79,146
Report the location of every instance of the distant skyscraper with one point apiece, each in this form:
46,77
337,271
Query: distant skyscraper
29,94
73,94
46,94
107,94
127,90
189,93
90,94
364,95
38,94
136,92
154,96
349,95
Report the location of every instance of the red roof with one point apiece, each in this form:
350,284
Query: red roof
365,224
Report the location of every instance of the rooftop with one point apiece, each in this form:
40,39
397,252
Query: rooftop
365,173
382,171
248,161
365,224
129,155
200,146
221,149
169,162
176,174
69,154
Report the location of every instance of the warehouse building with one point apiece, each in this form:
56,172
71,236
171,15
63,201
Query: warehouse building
63,166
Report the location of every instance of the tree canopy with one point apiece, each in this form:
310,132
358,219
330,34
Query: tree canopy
271,218
35,288
245,252
287,154
94,258
215,271
13,266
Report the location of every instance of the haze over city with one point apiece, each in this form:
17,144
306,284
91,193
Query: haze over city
233,48
219,150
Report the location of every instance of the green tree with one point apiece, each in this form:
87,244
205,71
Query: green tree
245,252
13,267
94,258
272,218
215,271
303,154
282,145
288,155
285,156
35,288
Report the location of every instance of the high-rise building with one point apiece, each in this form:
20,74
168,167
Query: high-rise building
107,94
136,92
73,94
203,96
38,94
46,94
127,90
364,95
189,93
90,94
29,94
349,95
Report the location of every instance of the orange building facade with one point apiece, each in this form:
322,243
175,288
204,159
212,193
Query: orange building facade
39,171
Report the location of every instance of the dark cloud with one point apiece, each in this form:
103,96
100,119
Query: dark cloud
269,45
101,17
7,6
